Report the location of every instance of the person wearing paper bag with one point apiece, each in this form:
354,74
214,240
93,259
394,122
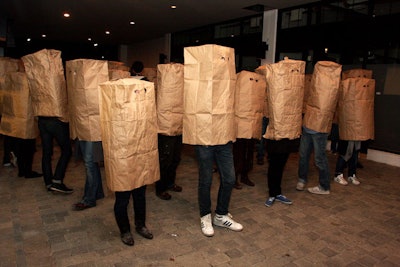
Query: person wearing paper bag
208,123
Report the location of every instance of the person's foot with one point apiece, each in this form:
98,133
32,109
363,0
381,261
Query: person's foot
237,185
143,231
127,239
318,190
61,188
283,199
82,206
33,174
227,222
164,196
175,188
206,225
246,181
260,161
300,186
353,179
270,201
340,180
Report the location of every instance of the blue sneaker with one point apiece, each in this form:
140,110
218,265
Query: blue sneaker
283,199
269,201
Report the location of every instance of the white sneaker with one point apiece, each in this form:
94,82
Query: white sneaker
206,225
318,190
339,179
227,222
353,179
300,186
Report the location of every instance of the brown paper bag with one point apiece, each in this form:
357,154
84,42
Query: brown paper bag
7,65
47,83
356,109
323,96
170,99
17,119
249,104
307,88
118,74
209,87
129,133
83,79
285,81
357,73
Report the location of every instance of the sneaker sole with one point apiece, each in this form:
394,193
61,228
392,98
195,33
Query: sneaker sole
319,192
227,227
284,202
61,191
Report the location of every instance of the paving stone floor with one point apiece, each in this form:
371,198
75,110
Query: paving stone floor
353,226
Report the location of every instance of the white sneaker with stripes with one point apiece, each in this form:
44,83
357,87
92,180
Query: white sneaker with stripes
227,222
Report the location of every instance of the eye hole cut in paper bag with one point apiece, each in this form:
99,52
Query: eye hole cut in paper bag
18,119
285,82
83,79
249,104
323,96
170,99
129,133
209,88
47,83
356,109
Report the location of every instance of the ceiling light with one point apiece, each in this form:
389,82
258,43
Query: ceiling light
107,32
96,44
89,39
44,35
132,22
28,39
67,15
173,6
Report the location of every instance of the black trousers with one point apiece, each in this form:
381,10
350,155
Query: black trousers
243,152
277,162
139,208
24,150
169,151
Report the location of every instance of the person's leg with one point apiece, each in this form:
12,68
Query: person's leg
352,163
165,159
120,211
261,146
238,160
139,209
321,160
47,150
205,159
61,134
21,151
224,161
7,145
176,159
277,162
306,146
93,176
248,154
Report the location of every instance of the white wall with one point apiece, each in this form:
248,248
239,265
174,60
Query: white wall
269,35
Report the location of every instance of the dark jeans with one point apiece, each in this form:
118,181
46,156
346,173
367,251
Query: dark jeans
52,128
24,151
243,152
276,165
223,157
139,208
93,183
169,151
351,164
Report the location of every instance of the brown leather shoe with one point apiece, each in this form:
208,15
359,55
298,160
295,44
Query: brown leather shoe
237,185
164,196
127,239
143,231
247,181
176,188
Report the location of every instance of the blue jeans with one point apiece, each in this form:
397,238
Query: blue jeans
223,157
318,142
50,128
93,184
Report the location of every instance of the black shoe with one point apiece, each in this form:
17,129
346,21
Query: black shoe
164,196
176,188
247,181
143,231
127,239
82,206
33,174
61,188
238,186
